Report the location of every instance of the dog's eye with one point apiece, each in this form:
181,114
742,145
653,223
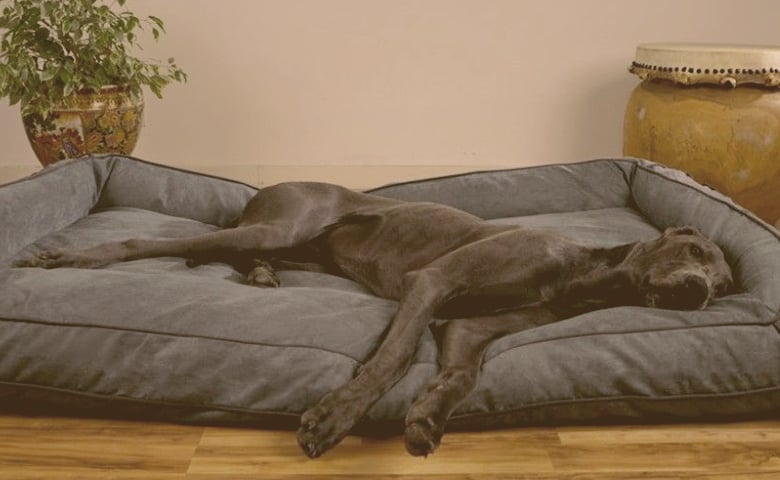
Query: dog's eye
696,251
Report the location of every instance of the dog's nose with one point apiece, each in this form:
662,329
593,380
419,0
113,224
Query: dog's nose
693,282
695,292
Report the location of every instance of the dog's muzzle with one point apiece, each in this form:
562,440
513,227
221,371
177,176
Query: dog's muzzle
688,292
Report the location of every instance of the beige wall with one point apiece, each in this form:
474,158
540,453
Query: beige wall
368,91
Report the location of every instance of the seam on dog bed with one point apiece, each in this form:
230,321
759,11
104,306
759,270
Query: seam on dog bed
111,163
627,332
501,170
176,335
182,170
662,398
139,400
120,397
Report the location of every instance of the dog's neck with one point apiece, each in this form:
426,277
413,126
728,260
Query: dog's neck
602,279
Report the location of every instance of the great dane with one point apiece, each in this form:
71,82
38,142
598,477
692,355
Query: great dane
484,280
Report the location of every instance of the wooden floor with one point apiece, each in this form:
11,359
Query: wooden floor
55,448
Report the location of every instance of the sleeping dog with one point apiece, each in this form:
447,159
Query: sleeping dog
486,280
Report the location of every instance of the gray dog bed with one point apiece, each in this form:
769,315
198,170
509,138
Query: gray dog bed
155,339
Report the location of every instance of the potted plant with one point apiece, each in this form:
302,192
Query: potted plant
71,66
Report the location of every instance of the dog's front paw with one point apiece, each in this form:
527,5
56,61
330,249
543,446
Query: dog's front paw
323,426
422,438
423,433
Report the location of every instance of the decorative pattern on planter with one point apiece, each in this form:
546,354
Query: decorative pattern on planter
105,122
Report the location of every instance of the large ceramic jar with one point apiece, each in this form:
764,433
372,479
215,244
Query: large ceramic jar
105,121
714,112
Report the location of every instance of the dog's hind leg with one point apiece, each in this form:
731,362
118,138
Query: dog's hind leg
277,217
462,346
240,240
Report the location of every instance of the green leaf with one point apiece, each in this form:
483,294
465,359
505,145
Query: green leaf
132,24
157,22
14,98
48,74
41,34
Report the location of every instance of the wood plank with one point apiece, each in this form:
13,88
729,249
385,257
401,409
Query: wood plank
224,452
755,431
35,473
477,475
93,448
717,448
660,457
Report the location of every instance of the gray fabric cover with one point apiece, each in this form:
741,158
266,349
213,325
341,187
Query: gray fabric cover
157,339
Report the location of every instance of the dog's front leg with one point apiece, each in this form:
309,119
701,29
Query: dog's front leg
325,424
461,349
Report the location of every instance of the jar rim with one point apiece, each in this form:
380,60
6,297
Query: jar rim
692,63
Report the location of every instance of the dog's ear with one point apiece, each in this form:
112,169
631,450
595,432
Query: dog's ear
685,230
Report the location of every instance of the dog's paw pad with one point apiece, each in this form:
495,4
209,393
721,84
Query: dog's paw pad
310,448
309,440
422,438
325,425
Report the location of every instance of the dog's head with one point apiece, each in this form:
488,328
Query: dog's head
681,270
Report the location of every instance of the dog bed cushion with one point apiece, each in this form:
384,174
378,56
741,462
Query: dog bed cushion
155,339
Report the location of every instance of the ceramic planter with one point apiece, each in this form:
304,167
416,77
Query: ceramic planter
89,122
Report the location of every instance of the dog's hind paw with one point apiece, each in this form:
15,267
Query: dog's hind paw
263,276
